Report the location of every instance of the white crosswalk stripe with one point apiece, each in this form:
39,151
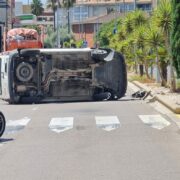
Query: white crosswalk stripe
60,124
107,123
155,121
13,126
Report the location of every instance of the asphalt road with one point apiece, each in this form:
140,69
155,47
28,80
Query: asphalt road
116,140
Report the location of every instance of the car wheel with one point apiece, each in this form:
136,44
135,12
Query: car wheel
123,78
2,124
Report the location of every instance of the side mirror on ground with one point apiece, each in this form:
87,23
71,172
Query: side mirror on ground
2,124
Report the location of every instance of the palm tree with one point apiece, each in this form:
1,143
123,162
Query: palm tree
128,23
164,21
50,40
67,4
37,7
154,39
54,4
175,35
139,18
139,38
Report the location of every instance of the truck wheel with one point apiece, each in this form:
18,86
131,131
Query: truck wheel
2,124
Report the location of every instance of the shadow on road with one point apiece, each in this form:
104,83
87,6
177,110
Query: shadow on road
4,140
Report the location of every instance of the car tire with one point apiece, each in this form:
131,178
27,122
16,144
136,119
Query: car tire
2,124
123,78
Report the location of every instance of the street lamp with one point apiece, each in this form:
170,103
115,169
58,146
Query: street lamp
81,19
68,11
124,6
58,30
135,5
4,4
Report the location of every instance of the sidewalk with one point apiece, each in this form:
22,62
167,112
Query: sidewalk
162,94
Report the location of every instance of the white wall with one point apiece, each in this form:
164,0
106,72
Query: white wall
18,8
2,14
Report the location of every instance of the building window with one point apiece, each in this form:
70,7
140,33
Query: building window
145,7
80,13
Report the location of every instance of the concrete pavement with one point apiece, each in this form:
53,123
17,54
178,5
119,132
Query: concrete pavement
171,101
140,144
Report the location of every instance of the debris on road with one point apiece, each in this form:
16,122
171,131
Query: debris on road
142,94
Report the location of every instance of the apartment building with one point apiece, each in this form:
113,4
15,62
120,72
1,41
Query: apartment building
89,8
88,15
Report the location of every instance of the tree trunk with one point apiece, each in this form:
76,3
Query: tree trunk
172,76
68,21
146,70
135,60
54,19
163,81
141,70
136,68
172,80
163,66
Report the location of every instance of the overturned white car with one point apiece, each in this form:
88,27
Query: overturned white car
46,75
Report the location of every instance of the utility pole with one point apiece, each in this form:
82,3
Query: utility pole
156,3
124,6
115,18
6,15
68,17
58,29
135,5
80,21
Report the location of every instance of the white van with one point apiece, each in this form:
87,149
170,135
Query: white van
44,75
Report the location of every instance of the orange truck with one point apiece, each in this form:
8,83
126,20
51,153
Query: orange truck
22,38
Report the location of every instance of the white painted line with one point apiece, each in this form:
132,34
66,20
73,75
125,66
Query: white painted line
16,125
107,123
35,108
61,124
178,115
155,121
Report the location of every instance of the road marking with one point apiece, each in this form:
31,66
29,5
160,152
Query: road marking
61,124
178,115
13,126
155,121
107,123
35,108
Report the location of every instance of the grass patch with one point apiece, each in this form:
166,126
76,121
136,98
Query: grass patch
178,85
142,79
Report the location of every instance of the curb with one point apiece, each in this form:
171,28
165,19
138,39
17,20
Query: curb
160,98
